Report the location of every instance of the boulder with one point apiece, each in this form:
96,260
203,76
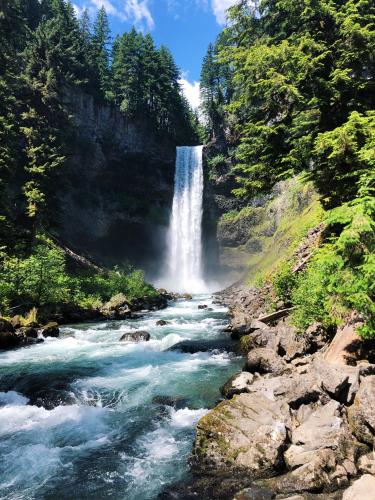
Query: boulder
291,344
343,347
341,382
187,296
361,489
139,336
193,346
237,384
117,308
323,453
162,322
264,360
245,434
321,473
9,340
28,331
202,306
265,337
293,389
16,321
6,326
362,413
366,464
316,336
51,329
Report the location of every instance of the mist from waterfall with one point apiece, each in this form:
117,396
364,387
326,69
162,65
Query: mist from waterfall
184,260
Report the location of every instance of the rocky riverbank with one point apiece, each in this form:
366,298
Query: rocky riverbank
44,322
298,421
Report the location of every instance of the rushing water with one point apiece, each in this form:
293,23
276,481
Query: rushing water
184,263
78,415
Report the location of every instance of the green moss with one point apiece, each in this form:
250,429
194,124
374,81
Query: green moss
293,226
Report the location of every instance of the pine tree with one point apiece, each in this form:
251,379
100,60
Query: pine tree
100,51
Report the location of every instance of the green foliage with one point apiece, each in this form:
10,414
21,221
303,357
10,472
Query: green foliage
301,95
35,280
344,154
283,282
341,276
41,278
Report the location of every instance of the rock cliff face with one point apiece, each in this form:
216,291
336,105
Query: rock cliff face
245,237
119,185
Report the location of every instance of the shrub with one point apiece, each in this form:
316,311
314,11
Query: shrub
341,276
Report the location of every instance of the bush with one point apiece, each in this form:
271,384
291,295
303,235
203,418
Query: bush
41,278
341,276
36,280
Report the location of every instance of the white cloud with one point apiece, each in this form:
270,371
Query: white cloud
109,7
134,11
220,8
139,12
78,10
191,92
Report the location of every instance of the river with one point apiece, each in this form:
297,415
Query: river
86,416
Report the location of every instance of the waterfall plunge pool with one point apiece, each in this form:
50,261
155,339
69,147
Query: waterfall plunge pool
83,416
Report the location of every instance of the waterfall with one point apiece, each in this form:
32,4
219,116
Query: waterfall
184,263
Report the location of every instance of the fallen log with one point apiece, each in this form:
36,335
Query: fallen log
268,318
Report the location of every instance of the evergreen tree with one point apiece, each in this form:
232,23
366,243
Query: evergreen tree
100,51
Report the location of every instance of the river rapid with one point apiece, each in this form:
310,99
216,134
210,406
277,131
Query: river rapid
85,415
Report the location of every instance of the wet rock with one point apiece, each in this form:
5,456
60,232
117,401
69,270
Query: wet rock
361,489
187,296
139,336
264,360
6,326
117,308
162,322
50,399
202,306
362,413
28,331
31,341
177,402
16,321
51,329
193,346
210,486
255,493
247,433
9,340
238,384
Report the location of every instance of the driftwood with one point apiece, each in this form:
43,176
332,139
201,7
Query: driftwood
268,318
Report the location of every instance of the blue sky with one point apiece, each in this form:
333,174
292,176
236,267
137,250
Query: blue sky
185,26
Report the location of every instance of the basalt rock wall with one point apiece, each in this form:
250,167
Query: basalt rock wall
118,186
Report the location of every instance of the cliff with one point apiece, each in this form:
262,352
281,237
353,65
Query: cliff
118,187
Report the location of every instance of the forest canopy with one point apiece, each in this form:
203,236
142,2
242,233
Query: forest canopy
288,89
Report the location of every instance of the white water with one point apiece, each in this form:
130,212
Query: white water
78,417
184,264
